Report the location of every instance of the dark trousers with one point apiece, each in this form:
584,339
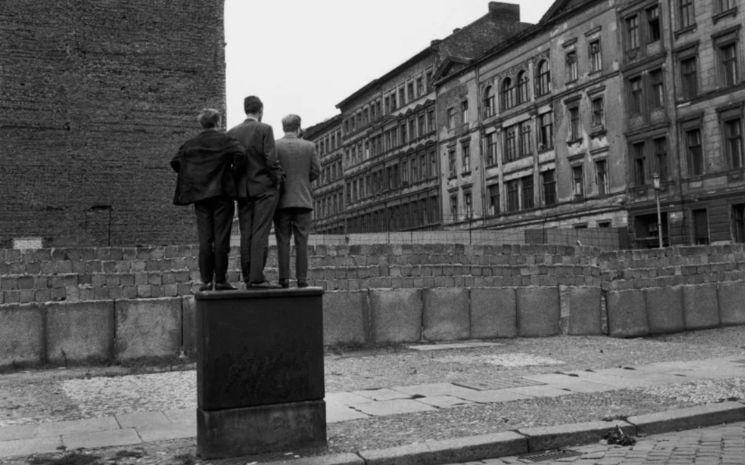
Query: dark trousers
214,221
295,222
255,220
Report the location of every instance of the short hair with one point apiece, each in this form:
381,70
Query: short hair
252,104
209,118
291,123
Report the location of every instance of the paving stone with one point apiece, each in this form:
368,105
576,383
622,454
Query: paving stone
571,383
142,420
95,439
393,407
693,417
443,401
337,412
37,445
107,423
433,389
9,433
187,415
345,398
334,459
452,345
157,432
492,396
382,394
539,391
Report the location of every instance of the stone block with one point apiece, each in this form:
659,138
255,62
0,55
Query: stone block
493,312
147,328
556,437
346,317
396,315
664,309
244,431
627,316
189,325
584,310
80,331
732,302
21,334
538,311
445,316
701,306
698,416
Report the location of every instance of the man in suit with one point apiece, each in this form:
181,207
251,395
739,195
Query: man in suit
293,216
258,191
205,178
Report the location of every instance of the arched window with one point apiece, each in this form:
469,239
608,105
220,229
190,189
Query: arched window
543,78
489,108
508,94
522,87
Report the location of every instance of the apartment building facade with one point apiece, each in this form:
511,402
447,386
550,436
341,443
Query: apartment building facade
328,200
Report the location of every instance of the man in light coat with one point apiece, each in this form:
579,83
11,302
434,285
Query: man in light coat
293,215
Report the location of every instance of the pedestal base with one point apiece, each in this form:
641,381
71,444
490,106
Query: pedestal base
265,428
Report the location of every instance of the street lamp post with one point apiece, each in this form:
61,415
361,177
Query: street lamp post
656,184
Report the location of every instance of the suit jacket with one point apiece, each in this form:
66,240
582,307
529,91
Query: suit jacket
300,164
204,166
262,171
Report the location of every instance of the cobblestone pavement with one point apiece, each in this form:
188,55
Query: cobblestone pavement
720,445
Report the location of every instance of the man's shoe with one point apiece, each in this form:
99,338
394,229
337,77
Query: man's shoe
262,285
302,283
205,287
284,283
224,287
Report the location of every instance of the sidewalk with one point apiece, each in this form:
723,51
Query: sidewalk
456,392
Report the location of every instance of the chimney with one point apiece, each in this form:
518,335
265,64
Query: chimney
507,12
435,43
456,30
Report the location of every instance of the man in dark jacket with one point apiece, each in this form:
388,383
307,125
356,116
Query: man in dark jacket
204,166
258,191
293,216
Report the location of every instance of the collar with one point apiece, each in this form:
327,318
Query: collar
252,118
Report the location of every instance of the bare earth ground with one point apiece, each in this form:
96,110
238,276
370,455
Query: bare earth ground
52,395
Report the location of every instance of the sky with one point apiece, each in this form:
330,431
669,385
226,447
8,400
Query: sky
304,57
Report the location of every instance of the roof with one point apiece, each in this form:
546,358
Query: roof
322,126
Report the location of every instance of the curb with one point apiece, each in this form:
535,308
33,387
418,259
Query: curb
523,441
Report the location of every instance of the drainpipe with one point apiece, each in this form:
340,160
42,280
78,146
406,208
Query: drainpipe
675,133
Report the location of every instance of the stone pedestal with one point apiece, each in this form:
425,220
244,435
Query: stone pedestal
260,383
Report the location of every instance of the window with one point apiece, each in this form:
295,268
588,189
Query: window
660,157
653,23
635,95
548,180
513,199
738,223
700,227
412,129
508,94
522,87
694,152
733,142
572,67
728,64
689,77
546,135
466,157
428,79
402,133
598,117
525,138
410,91
574,129
490,143
596,57
658,89
489,102
724,5
414,170
451,163
464,111
494,200
401,96
454,208
422,129
526,184
639,164
543,79
632,33
578,184
686,14
431,120
602,177
419,86
451,117
468,203
432,164
510,144
393,101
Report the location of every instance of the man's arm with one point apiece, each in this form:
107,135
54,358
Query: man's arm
238,157
315,166
270,155
176,161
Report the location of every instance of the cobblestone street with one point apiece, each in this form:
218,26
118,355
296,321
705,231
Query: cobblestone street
720,445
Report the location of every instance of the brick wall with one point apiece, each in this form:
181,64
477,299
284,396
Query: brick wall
96,98
81,274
